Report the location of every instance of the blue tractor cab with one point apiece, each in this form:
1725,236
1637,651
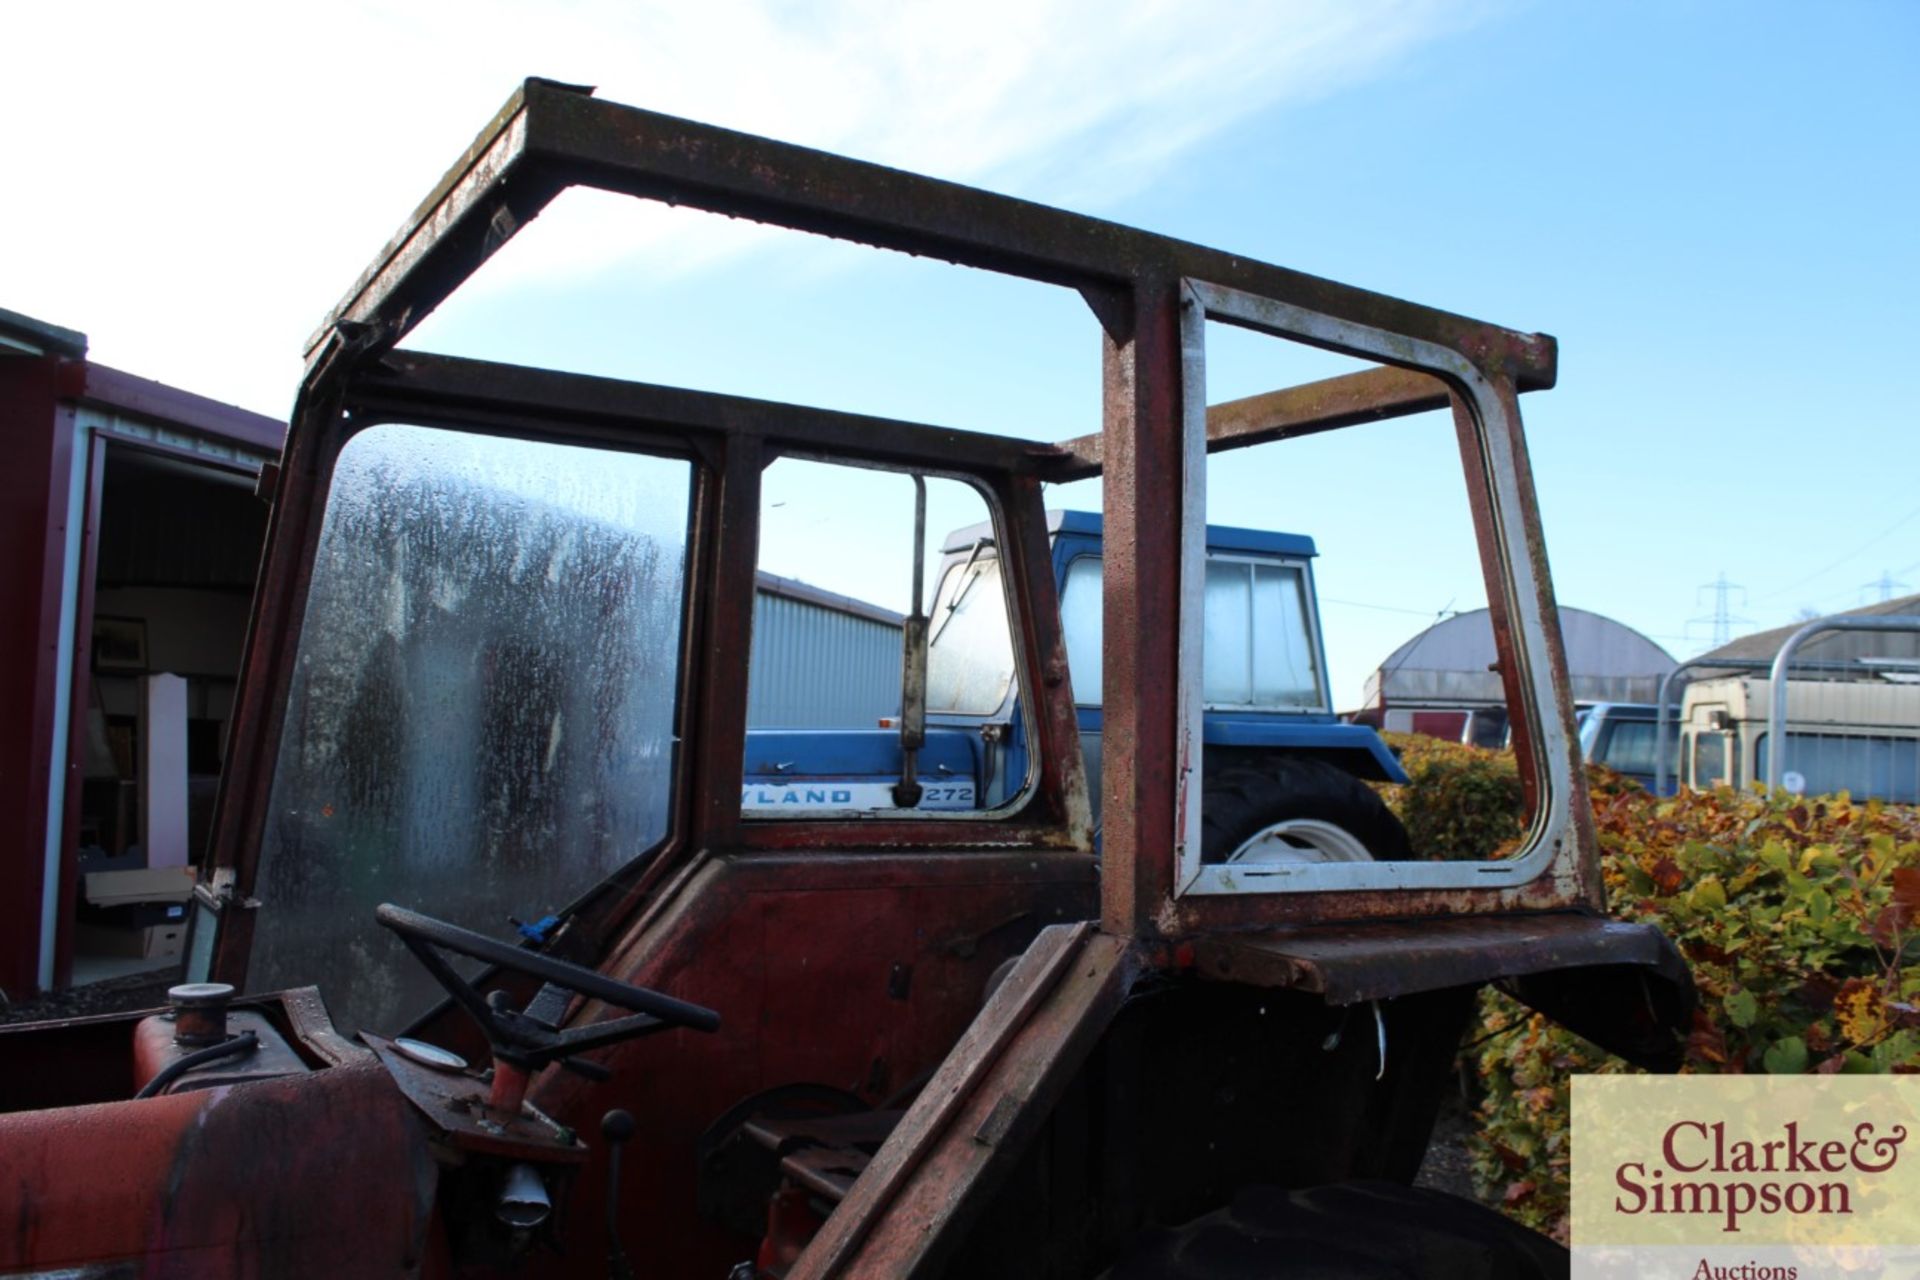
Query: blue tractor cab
1285,778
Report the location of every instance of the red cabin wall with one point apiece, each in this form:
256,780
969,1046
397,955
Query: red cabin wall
36,433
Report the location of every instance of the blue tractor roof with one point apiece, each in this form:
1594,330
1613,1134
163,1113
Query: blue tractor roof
1220,537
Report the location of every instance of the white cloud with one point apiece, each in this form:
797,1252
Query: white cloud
194,185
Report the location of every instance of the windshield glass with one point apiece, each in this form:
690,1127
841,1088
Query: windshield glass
1259,646
1710,760
480,723
1259,651
970,655
1630,746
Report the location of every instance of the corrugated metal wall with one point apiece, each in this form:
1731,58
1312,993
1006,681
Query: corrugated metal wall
820,668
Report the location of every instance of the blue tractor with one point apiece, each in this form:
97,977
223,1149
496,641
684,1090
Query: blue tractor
1285,778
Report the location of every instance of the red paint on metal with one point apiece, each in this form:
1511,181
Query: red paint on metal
944,1158
34,487
1440,724
1142,501
266,666
154,1048
548,137
796,951
1383,959
462,1113
1374,395
791,1223
509,1088
321,1175
725,549
1026,990
144,398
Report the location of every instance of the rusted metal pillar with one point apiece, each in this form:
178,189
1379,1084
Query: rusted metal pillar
728,544
1495,575
1144,498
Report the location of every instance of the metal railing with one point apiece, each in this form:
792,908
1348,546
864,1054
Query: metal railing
1663,762
1778,667
1777,739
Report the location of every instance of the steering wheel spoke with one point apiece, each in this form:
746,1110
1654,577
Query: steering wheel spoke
599,1035
523,1041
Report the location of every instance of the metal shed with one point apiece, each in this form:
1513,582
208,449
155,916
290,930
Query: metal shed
1833,646
1436,681
132,533
820,660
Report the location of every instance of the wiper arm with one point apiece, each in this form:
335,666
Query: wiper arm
966,585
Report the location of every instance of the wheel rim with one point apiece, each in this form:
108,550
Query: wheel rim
1302,840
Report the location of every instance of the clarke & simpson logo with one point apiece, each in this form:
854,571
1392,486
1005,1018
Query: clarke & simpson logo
1700,1171
1745,1177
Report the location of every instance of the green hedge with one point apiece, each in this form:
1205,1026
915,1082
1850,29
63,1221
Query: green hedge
1459,804
1799,916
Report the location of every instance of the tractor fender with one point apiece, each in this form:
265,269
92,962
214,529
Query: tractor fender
1353,748
322,1174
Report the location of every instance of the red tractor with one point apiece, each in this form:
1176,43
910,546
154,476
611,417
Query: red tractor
499,664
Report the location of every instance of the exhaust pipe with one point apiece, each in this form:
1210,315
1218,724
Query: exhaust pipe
523,1203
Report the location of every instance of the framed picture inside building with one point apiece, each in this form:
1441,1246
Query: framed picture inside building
119,644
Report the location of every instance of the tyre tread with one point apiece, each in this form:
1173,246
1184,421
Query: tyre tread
1346,1231
1246,798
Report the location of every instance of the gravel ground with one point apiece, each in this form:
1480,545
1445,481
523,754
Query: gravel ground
1447,1166
116,995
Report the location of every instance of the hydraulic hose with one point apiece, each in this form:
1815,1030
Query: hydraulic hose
245,1042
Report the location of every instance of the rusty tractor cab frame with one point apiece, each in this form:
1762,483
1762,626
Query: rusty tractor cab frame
1108,975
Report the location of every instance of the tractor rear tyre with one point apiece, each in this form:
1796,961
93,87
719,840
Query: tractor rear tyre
1349,1231
1301,811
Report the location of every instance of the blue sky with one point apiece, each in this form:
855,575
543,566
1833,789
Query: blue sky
1710,205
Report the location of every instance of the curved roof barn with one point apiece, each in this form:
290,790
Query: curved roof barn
1449,664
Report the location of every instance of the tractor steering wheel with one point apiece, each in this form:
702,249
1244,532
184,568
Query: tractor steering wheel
529,1039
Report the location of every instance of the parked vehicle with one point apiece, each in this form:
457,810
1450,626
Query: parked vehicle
1861,737
497,665
1484,727
1624,736
1291,774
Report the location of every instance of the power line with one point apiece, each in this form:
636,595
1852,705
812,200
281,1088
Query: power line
1379,608
1853,593
1843,559
1445,611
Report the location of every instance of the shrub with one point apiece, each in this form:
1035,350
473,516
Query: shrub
1799,916
1458,803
